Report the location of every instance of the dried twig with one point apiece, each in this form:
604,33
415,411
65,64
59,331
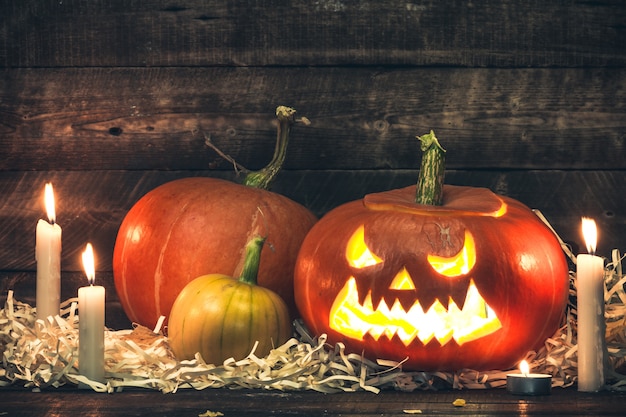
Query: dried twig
236,166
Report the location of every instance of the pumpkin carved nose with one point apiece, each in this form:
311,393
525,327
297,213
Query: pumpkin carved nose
402,281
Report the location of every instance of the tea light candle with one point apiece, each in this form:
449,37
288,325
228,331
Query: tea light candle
91,323
48,257
526,383
590,307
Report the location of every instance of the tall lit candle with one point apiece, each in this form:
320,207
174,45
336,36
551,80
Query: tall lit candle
48,257
591,324
91,323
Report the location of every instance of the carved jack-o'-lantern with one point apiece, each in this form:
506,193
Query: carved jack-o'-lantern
355,319
475,282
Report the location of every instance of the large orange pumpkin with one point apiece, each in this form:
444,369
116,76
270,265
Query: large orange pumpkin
194,226
474,282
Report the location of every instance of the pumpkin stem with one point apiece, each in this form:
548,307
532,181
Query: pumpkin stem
431,175
265,176
252,259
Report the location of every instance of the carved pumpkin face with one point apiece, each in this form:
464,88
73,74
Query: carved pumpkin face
466,320
474,283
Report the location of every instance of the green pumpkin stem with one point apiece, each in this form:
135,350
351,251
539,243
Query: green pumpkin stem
430,181
252,259
264,177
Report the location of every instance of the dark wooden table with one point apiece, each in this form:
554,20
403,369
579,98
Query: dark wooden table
241,403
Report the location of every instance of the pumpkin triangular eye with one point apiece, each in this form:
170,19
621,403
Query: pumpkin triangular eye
459,264
358,254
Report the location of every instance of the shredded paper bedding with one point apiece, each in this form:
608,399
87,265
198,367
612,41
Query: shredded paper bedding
41,354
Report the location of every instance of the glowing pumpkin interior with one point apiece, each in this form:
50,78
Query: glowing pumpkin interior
474,320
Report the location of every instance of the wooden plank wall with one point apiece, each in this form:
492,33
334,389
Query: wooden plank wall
108,99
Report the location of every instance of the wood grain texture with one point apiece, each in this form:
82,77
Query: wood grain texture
256,403
153,33
157,118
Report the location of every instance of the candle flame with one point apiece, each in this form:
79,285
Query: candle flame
49,202
590,234
524,367
89,263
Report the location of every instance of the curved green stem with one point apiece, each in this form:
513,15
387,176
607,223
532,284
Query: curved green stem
252,260
265,176
430,181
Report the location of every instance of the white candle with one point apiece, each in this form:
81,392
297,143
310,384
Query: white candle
91,323
591,324
48,257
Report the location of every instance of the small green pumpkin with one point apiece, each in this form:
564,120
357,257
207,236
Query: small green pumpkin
222,317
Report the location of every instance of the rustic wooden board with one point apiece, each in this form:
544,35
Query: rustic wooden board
255,403
102,33
362,118
92,204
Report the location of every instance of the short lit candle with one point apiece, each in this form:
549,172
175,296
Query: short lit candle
525,383
48,257
591,325
91,323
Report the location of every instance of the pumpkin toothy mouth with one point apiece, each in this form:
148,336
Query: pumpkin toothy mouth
352,319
